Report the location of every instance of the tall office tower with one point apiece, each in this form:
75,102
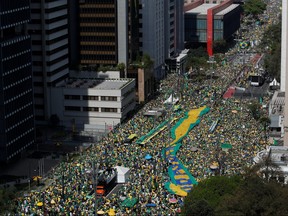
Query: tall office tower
179,35
133,30
284,66
153,32
49,33
103,32
161,30
174,27
73,29
16,89
284,45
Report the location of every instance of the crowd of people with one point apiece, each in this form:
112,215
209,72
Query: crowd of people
70,191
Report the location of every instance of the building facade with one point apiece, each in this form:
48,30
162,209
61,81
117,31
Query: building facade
153,32
209,22
49,33
161,31
16,91
103,32
95,104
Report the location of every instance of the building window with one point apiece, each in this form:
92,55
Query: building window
72,108
108,98
72,97
91,109
85,97
114,110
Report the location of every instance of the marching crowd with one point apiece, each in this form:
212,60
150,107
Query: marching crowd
69,192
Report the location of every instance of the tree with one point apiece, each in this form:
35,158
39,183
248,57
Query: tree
147,61
220,46
272,62
254,7
197,58
265,121
54,120
198,208
121,67
255,110
143,62
255,197
211,190
265,168
271,43
7,195
237,195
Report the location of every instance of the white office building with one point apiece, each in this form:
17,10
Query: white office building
93,104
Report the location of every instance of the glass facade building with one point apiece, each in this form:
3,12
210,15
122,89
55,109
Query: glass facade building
16,91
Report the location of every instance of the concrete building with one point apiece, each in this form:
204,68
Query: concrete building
174,27
49,33
153,32
93,104
16,90
279,156
207,22
276,114
284,66
177,63
123,31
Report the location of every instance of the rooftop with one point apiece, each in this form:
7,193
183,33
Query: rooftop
227,10
202,9
100,84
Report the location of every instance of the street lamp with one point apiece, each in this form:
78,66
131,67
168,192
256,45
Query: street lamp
95,183
211,61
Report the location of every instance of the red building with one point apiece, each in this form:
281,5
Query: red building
207,22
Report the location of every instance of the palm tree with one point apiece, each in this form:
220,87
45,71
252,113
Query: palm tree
121,67
265,121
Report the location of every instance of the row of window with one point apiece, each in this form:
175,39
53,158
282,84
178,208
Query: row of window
98,57
53,41
14,96
20,136
17,123
90,109
90,36
98,10
16,82
98,20
50,10
90,97
12,153
15,55
98,48
18,109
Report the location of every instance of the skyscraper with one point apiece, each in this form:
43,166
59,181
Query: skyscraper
174,27
49,33
16,89
153,32
161,30
284,66
103,32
